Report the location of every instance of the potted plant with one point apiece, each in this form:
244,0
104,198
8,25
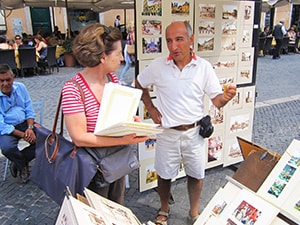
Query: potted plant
70,60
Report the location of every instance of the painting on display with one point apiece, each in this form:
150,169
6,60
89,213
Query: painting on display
281,187
147,175
223,35
215,148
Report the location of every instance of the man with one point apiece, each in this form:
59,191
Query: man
278,33
16,122
117,22
181,80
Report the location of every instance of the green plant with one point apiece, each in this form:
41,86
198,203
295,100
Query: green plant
67,45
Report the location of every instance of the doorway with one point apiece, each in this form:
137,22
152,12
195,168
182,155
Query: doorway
41,22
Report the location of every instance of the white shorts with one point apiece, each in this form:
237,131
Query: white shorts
174,146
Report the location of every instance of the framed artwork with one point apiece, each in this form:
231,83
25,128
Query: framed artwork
239,121
206,11
205,44
232,152
216,114
248,97
281,187
224,64
215,149
237,101
247,207
142,65
229,12
151,27
180,8
245,37
247,12
246,56
228,44
147,175
244,75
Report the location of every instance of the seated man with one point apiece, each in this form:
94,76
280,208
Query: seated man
16,122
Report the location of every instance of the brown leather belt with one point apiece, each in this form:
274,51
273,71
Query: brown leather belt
185,127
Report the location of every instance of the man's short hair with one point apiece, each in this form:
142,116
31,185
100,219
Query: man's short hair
4,68
282,21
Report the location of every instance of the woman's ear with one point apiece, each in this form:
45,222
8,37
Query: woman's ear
102,60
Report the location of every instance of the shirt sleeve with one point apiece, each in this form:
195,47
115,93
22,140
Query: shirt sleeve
4,127
71,99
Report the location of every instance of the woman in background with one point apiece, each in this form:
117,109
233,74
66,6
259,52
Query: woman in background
130,40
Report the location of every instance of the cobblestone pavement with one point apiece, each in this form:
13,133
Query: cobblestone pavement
276,124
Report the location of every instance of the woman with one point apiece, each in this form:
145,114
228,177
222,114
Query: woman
98,48
41,47
130,40
3,43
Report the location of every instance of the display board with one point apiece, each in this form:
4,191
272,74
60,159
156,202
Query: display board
223,35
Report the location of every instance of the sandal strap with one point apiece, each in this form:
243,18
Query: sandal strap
160,221
162,213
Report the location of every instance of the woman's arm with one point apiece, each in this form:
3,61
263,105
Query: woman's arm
76,126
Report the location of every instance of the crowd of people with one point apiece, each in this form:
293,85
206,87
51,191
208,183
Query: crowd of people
98,49
278,33
40,41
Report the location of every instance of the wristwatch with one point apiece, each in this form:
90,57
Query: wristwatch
30,127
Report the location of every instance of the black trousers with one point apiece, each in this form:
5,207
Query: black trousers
278,45
9,148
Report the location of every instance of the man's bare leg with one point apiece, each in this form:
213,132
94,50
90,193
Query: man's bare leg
164,190
194,191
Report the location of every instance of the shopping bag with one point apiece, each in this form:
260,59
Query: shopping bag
59,163
130,49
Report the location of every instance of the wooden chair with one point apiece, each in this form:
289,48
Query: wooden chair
8,57
294,47
38,107
27,58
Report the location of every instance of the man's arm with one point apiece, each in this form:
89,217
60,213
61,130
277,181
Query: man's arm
153,111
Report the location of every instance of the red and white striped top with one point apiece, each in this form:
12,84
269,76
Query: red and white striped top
72,102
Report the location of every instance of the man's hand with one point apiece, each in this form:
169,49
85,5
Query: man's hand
229,92
155,115
29,136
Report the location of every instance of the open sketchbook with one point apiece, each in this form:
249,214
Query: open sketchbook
95,210
118,106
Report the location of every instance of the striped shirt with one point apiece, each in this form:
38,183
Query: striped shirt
72,101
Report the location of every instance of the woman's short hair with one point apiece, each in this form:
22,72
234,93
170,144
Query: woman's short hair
93,41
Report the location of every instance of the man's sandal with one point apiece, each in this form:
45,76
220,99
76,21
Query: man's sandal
161,218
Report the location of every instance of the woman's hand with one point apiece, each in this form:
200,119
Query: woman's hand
133,139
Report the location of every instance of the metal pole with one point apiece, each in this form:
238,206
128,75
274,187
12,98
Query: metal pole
68,20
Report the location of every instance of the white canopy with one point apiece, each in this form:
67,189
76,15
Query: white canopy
95,5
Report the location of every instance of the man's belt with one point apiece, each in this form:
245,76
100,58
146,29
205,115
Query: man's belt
185,127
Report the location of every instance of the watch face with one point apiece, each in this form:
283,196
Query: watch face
30,127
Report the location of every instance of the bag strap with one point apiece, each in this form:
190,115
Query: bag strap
52,137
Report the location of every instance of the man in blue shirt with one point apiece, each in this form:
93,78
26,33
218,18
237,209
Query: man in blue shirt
16,122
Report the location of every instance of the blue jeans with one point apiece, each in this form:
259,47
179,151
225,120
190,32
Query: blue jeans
9,148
